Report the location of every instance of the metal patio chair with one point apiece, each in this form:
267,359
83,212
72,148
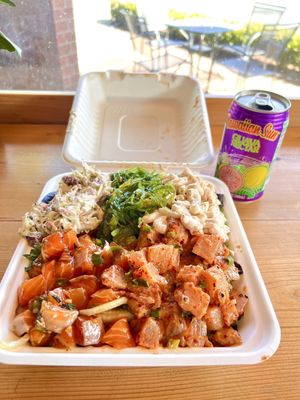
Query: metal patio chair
144,40
196,46
261,15
264,56
268,49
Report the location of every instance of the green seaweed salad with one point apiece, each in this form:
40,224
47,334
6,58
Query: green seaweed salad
136,192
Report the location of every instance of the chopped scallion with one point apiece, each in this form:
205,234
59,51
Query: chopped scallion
155,313
32,256
202,285
97,259
140,282
62,282
173,344
146,228
171,234
99,242
36,304
69,306
115,249
229,260
186,314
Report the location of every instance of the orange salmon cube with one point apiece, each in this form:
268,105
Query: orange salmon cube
114,277
65,339
23,322
48,271
56,318
83,262
88,331
64,267
52,246
88,282
119,335
70,240
207,247
56,296
31,288
216,285
164,257
79,297
39,338
227,337
150,334
103,296
107,256
192,298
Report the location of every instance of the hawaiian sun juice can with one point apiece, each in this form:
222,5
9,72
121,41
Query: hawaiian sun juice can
253,133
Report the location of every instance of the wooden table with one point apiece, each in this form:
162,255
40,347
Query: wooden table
30,155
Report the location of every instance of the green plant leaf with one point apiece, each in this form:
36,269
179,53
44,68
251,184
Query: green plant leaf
8,3
8,45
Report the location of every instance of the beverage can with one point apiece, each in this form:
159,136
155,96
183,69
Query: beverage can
253,133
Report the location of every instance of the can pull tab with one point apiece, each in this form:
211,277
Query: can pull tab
263,101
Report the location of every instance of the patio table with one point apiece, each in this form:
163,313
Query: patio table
202,27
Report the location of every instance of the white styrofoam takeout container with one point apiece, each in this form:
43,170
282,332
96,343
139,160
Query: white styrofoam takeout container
120,117
259,327
120,120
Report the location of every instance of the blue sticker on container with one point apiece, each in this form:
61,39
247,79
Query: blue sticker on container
49,196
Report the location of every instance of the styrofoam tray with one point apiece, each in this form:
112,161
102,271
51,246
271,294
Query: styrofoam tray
259,327
141,118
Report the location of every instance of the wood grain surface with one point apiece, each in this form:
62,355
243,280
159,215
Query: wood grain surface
30,155
35,107
29,107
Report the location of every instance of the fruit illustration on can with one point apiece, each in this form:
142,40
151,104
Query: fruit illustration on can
232,177
253,133
256,176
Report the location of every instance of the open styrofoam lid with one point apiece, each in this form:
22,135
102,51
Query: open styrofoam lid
122,118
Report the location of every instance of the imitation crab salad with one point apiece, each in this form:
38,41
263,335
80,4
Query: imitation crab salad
134,258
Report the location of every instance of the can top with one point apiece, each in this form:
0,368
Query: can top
262,101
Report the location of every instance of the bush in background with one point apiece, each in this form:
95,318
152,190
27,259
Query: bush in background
291,57
116,16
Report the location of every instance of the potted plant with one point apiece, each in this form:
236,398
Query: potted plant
5,42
